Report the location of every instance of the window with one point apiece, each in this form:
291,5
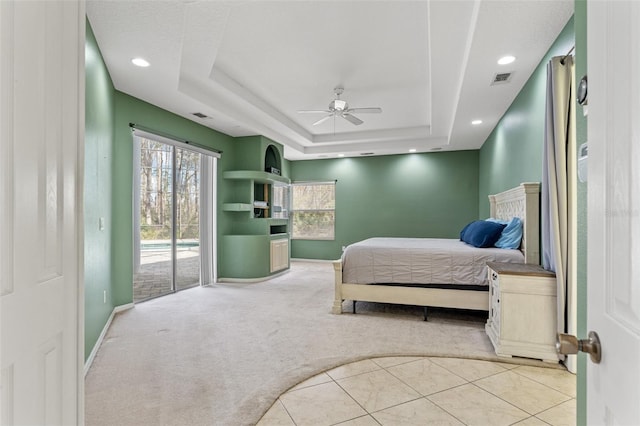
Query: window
313,210
280,203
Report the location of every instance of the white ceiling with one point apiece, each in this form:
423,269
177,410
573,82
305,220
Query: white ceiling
251,65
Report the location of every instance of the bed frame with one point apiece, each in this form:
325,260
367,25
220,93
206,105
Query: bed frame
522,201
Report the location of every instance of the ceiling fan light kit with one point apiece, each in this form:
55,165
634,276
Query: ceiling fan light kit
340,108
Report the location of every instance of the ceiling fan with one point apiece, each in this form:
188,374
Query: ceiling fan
339,108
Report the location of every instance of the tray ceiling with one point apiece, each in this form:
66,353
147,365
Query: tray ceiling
250,66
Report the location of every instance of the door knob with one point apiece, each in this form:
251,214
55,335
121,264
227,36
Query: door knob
567,344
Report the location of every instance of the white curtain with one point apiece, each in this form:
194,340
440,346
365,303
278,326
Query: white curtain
554,199
208,168
136,205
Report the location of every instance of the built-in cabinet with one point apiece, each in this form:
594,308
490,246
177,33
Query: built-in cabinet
257,245
522,311
279,250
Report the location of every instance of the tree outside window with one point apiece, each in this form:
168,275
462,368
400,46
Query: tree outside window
313,210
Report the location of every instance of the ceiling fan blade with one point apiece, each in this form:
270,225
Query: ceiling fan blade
352,119
322,120
366,110
314,111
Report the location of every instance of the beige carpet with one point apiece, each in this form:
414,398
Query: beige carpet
221,355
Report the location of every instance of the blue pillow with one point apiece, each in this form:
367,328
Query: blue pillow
511,235
481,233
493,219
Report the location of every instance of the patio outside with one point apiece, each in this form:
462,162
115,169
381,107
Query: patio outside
153,278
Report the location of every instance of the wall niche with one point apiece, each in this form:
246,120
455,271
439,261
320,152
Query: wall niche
272,161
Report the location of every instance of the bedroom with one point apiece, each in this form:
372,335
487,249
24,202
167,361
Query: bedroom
409,186
457,181
109,262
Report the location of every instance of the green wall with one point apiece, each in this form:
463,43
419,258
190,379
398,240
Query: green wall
512,153
98,150
411,195
132,110
581,137
108,252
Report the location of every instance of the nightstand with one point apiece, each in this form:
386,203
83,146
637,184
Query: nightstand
522,311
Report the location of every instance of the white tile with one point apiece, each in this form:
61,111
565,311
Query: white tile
353,369
560,415
276,416
531,421
522,392
378,390
470,369
558,379
426,377
360,421
315,380
501,394
418,412
474,406
395,360
323,404
507,366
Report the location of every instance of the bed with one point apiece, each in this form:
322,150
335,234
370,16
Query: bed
405,270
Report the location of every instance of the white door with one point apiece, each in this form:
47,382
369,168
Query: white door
41,157
613,386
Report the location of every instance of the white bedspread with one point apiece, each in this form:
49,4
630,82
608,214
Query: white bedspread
420,261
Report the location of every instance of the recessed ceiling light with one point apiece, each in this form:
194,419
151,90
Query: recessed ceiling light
139,62
340,155
412,150
506,60
476,122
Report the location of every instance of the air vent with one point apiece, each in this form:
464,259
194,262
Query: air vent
502,78
200,115
367,153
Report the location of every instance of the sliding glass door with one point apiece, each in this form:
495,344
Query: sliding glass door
153,254
187,224
167,211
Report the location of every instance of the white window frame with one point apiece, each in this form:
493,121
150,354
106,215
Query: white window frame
293,211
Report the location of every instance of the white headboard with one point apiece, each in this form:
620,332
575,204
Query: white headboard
522,201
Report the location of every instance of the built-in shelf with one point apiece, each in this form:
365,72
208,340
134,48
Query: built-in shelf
237,207
257,243
260,205
275,229
256,176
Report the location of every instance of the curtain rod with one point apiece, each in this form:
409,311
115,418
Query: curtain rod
567,55
168,136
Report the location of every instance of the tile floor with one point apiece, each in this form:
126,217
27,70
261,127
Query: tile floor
428,390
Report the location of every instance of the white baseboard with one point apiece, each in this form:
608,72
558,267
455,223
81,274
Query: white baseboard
250,280
299,259
94,351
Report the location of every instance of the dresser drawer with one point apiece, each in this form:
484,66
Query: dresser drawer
494,302
522,311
